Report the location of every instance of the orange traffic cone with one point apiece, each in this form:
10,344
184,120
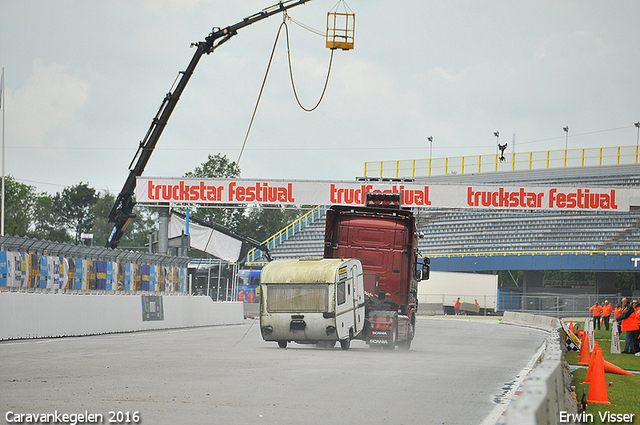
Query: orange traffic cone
611,368
584,350
592,361
598,387
571,326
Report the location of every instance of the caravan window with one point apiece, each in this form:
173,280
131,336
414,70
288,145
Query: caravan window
297,298
341,296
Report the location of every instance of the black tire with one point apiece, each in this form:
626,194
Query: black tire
392,342
405,345
282,344
345,344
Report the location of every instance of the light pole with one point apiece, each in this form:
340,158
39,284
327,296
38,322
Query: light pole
637,124
430,139
566,138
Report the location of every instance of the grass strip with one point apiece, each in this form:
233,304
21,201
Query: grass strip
623,391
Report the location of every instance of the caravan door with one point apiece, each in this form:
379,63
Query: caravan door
349,285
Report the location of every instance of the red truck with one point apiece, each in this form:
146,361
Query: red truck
382,235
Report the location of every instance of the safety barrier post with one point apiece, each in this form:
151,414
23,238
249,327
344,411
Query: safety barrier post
600,156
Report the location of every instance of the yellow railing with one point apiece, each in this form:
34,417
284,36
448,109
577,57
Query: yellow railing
284,234
586,157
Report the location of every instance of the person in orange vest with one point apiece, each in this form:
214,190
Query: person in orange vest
456,306
241,296
597,311
617,312
637,346
629,325
606,313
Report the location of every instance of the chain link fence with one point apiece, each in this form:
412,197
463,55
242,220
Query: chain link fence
555,305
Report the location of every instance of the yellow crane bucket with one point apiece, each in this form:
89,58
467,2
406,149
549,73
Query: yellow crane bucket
341,28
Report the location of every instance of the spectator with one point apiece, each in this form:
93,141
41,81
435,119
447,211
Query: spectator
637,338
629,325
606,313
597,311
456,307
617,312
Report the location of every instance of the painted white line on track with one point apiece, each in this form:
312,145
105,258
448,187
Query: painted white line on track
494,417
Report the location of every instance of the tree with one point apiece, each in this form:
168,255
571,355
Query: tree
138,229
76,208
47,221
227,215
19,202
216,166
101,228
261,222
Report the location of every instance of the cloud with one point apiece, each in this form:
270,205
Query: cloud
49,101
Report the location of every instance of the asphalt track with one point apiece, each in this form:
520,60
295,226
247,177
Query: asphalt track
453,374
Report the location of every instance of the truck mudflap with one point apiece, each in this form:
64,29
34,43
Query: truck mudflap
382,329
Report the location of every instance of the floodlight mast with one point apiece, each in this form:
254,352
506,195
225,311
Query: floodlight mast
122,210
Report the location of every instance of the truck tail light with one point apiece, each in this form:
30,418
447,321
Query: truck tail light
381,325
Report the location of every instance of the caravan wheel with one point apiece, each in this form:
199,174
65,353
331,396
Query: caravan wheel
282,344
345,344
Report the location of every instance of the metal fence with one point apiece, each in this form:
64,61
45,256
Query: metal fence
555,305
546,304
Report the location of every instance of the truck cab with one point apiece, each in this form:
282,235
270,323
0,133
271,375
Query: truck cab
382,235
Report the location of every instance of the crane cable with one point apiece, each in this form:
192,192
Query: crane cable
264,81
293,84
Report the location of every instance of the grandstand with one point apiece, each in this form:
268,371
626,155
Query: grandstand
538,236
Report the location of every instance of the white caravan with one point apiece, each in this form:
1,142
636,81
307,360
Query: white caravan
312,301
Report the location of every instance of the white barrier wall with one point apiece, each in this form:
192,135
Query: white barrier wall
33,315
545,392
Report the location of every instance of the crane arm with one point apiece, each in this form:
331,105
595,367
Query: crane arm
122,210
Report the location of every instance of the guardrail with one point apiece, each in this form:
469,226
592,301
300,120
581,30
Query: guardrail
586,157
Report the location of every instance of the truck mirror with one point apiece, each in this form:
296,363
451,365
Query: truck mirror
426,270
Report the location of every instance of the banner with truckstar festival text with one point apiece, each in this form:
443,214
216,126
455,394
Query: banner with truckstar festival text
308,192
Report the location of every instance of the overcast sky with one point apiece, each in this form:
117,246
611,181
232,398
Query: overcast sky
83,79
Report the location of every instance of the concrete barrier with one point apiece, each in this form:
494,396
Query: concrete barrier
546,390
430,309
35,315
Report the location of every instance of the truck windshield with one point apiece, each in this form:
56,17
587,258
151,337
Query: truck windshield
292,298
